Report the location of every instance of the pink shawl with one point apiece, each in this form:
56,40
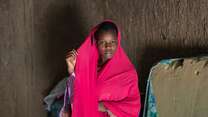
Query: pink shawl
116,85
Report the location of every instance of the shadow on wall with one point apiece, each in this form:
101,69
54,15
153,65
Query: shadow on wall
65,32
152,55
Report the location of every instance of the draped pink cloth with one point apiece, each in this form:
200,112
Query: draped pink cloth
116,85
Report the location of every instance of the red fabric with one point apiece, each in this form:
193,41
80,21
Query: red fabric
115,85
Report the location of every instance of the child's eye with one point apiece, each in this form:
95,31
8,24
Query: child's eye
101,43
114,42
104,43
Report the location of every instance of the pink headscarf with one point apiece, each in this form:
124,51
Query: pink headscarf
116,85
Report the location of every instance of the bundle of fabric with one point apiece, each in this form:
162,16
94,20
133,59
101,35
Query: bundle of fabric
55,100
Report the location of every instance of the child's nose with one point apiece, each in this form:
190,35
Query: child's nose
108,44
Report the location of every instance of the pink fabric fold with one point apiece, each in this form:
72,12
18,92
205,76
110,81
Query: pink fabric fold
116,85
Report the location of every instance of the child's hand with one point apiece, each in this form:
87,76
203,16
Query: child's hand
65,114
71,60
101,107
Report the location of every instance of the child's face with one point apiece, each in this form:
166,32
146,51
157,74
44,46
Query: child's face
107,44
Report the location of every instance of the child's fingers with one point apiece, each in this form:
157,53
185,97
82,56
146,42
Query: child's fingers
75,51
70,54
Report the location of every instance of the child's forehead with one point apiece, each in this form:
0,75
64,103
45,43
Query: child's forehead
107,34
107,39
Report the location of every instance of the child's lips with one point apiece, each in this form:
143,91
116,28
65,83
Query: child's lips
108,53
